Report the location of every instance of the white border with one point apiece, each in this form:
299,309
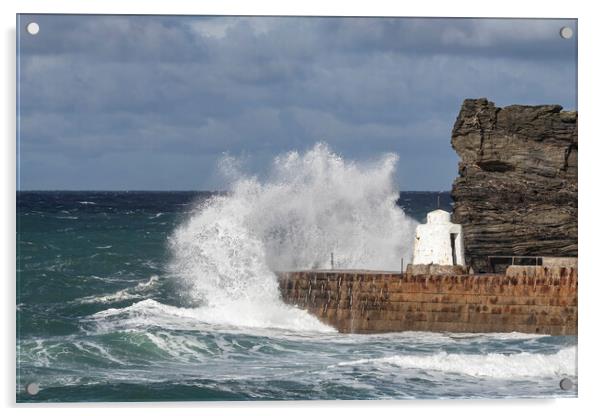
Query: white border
590,95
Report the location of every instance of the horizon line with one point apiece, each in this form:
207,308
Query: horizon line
176,190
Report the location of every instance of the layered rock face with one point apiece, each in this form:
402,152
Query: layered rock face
516,193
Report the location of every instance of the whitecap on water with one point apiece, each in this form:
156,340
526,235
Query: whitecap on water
150,313
136,292
493,365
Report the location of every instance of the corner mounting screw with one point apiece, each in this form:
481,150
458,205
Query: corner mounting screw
566,384
32,389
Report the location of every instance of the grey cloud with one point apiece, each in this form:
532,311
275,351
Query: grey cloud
170,90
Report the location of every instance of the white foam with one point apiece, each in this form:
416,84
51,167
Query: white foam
501,336
96,349
312,205
136,292
246,314
118,296
494,365
443,338
37,354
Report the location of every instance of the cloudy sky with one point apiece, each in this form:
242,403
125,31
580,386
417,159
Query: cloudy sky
152,103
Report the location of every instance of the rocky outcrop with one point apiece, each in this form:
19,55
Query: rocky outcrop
516,193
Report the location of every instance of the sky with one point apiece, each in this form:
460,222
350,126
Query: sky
155,102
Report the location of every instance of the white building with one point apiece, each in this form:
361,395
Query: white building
439,241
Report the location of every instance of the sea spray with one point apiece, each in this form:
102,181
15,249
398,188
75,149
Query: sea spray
311,205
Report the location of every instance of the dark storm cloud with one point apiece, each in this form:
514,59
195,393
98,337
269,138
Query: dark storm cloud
147,102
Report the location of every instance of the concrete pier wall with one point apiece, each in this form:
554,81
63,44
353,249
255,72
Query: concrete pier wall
533,299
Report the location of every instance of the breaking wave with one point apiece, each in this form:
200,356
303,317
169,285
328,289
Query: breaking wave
311,205
494,365
150,313
137,292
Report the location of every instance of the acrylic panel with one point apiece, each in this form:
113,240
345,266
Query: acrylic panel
295,208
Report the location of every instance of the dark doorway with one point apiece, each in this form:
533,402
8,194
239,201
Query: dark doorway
453,246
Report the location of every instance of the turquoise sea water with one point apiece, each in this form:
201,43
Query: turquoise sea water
101,317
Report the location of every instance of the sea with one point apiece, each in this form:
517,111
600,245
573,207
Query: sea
172,296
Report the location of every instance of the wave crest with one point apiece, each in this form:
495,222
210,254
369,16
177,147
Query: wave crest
494,365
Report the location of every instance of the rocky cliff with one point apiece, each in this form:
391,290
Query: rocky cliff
516,193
